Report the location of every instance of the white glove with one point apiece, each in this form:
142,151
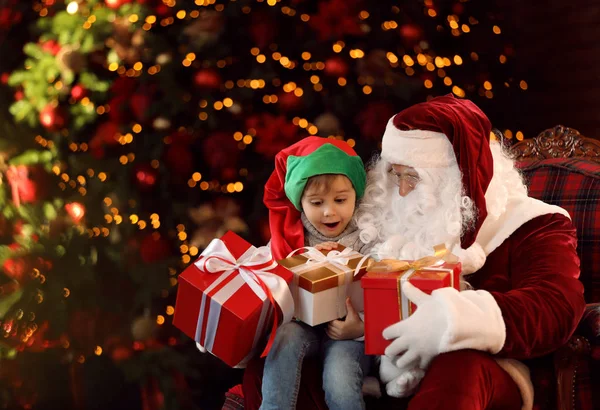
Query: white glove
445,321
201,348
399,382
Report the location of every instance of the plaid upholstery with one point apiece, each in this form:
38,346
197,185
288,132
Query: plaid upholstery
234,399
573,184
233,402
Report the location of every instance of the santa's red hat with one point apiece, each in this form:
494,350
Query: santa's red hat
443,132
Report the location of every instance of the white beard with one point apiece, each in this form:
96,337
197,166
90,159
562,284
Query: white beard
435,212
421,222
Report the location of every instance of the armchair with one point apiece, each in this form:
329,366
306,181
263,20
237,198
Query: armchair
562,167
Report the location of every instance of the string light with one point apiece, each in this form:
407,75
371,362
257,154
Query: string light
430,63
72,7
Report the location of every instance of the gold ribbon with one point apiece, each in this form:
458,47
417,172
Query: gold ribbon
441,255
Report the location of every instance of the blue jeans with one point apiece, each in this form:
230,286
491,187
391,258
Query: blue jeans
344,363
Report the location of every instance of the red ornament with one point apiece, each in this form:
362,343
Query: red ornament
28,184
289,102
140,104
19,95
458,8
115,4
336,67
272,133
154,248
336,19
78,92
76,211
52,118
4,77
262,29
16,267
119,112
163,10
152,397
411,33
123,85
121,353
129,100
373,119
229,173
145,176
9,17
98,152
107,133
51,46
208,78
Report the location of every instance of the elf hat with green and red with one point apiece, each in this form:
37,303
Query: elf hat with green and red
294,165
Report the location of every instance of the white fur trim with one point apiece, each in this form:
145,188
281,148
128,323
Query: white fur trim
474,321
388,370
520,374
494,231
472,258
519,211
406,384
399,382
416,148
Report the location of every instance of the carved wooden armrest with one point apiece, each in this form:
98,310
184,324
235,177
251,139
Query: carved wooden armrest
557,142
576,352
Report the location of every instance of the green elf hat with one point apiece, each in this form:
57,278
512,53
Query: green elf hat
327,159
294,165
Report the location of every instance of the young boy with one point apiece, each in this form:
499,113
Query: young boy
311,197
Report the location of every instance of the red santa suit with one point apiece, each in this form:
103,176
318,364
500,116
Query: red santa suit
520,258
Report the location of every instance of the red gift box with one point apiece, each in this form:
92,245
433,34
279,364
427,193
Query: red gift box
385,304
224,298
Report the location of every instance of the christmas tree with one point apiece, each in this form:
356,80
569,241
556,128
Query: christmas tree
134,132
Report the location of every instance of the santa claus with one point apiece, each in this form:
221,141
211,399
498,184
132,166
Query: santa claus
441,180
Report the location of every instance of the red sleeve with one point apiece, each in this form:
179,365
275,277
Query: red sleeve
546,302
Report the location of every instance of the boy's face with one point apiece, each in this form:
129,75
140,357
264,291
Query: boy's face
330,212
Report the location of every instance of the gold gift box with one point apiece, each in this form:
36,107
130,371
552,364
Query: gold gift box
323,277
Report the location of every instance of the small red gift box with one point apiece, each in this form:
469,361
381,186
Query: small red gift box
385,304
226,298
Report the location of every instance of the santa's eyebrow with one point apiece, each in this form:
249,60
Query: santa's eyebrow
409,172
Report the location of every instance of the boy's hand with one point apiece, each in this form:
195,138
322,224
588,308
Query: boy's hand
351,328
326,246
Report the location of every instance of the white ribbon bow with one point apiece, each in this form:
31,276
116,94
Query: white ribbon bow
217,258
333,256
